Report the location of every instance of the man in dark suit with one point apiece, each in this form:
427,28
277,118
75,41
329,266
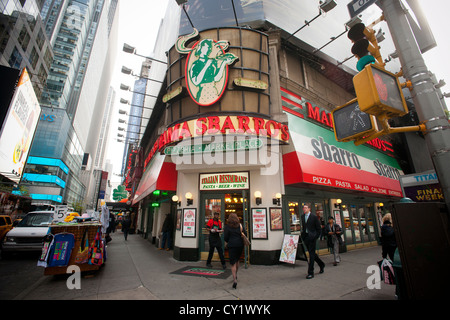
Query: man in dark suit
311,230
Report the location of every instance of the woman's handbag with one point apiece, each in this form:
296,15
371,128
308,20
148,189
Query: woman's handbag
244,238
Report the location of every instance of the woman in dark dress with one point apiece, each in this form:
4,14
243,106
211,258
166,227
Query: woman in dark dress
232,235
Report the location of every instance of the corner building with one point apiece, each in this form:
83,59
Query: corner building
243,125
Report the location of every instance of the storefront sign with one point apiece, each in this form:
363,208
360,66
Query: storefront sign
220,125
321,160
305,109
189,217
248,144
224,181
206,68
259,223
422,187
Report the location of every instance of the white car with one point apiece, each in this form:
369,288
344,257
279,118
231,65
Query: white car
28,234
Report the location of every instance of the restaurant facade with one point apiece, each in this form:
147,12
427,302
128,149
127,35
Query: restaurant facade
242,124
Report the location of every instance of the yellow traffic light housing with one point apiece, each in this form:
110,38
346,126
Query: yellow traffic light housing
379,92
350,123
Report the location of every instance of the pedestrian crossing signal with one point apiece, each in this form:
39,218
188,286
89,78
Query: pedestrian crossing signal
350,123
379,92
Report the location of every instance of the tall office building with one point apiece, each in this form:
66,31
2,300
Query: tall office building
23,40
83,34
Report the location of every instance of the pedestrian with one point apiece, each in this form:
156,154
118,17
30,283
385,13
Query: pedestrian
235,244
167,230
126,223
311,230
388,242
214,226
334,240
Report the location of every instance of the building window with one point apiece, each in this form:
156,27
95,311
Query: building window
24,38
34,58
15,60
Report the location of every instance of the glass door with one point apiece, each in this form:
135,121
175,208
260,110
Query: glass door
224,203
210,204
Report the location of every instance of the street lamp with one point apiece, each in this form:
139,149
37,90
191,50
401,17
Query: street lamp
128,71
130,124
127,88
130,115
130,49
125,101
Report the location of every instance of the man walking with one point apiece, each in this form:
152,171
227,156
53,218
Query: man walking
311,230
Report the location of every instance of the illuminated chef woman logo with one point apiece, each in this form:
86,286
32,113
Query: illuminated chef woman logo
206,68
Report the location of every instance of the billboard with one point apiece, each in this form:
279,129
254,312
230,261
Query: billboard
18,129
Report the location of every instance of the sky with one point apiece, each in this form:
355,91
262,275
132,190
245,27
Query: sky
139,22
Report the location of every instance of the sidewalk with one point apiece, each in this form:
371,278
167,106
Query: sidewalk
137,270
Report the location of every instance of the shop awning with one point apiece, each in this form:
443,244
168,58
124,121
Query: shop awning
159,175
321,160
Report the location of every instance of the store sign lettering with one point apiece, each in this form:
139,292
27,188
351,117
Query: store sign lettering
220,125
386,171
221,181
323,150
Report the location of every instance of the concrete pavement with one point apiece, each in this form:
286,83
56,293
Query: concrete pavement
137,270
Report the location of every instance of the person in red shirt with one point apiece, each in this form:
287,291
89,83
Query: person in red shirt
214,226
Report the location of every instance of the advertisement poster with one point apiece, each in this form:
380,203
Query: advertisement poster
18,129
189,217
289,248
259,223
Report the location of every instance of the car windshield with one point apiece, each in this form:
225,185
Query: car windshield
36,220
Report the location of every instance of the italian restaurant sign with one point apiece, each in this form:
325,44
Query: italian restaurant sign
224,181
206,67
321,160
244,125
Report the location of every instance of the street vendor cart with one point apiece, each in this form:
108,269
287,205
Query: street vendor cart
85,240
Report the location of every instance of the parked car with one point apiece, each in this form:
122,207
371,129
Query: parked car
5,225
28,234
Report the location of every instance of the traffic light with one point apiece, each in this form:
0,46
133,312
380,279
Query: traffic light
350,123
365,46
379,92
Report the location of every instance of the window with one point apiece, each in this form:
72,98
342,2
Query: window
15,60
34,58
24,38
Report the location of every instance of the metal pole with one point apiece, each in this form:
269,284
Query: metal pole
425,96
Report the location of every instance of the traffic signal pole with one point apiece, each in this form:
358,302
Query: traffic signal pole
425,96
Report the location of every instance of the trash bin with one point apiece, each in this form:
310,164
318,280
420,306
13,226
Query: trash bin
400,285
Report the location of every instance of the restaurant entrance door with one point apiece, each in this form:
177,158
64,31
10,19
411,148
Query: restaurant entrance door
224,203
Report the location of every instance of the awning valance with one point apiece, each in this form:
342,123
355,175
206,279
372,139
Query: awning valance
159,175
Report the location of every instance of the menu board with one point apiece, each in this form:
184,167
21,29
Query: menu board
259,223
289,248
189,217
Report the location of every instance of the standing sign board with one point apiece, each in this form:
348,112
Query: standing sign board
289,248
60,213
